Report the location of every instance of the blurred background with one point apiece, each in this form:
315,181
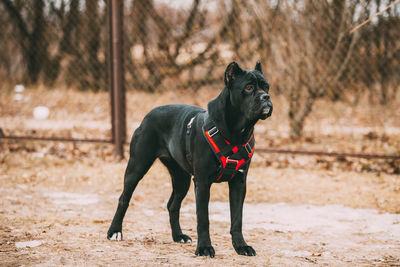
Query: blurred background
333,89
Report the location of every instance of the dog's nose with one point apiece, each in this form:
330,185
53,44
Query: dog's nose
264,97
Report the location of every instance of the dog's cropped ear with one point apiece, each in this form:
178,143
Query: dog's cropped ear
231,72
258,66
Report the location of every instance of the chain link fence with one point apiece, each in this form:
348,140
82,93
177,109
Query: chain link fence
49,49
306,47
54,43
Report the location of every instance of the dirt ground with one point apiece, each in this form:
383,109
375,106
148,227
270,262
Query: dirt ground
299,211
293,216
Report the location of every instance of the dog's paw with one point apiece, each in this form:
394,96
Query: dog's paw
245,250
114,236
205,251
182,238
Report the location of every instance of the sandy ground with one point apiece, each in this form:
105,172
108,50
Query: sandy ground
293,216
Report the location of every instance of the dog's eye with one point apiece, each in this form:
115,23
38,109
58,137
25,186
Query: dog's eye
249,88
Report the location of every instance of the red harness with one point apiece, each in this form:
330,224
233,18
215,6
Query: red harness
233,158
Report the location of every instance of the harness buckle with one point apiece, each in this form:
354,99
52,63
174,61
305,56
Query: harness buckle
189,126
248,148
232,162
213,131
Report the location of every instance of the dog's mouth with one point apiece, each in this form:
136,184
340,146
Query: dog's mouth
266,112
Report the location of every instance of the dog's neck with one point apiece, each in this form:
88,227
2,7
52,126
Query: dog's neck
229,119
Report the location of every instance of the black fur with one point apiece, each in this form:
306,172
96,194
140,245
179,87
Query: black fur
244,100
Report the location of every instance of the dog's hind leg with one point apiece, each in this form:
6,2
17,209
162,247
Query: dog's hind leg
142,155
180,187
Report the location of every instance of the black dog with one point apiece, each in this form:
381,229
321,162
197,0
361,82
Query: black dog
210,145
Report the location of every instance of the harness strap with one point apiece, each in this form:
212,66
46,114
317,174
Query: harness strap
187,141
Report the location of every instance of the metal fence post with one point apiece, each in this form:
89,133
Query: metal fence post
116,81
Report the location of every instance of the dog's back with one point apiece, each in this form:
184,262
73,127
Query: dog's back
162,128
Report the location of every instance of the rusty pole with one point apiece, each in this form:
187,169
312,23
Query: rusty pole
110,68
116,75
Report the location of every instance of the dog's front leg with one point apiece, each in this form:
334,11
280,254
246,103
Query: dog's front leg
202,192
237,193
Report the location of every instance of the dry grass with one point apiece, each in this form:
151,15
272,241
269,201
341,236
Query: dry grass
339,126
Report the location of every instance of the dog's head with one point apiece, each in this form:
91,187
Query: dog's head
249,91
